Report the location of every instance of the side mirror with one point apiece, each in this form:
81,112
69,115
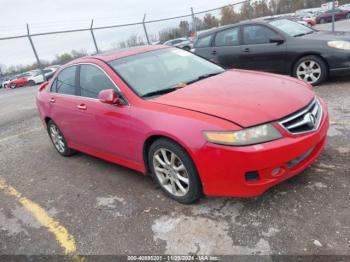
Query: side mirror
108,96
277,39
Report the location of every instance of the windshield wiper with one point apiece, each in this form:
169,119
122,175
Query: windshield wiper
203,77
302,34
160,92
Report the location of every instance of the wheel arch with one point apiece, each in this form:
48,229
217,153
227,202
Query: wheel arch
152,138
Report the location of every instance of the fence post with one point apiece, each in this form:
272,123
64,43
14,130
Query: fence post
93,35
333,16
250,10
35,54
194,27
145,29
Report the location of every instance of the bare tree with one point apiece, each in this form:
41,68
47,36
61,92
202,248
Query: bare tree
210,21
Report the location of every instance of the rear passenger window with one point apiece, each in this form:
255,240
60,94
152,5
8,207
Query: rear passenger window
204,41
65,82
227,37
92,81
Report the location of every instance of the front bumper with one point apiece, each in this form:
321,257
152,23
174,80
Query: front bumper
223,169
338,62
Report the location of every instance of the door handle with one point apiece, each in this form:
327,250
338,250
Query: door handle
82,107
213,52
246,50
52,100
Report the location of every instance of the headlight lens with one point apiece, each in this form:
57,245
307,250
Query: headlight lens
248,136
339,44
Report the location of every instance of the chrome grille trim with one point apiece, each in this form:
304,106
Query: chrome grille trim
304,121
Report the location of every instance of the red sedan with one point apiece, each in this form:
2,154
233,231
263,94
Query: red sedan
327,16
18,82
195,127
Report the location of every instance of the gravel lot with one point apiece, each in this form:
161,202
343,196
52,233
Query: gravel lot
109,209
343,25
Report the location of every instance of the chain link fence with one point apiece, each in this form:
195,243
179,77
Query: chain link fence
96,39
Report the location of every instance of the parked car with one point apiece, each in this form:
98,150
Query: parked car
19,81
6,82
195,127
37,77
309,18
183,43
3,80
278,46
345,7
326,17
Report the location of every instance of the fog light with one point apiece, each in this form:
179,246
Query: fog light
252,176
276,171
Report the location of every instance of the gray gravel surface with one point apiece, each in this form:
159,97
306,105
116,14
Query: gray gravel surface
109,209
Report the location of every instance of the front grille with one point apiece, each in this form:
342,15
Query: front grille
305,120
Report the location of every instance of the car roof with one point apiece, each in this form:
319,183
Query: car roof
250,22
124,52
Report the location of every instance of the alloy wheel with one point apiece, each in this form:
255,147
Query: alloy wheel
57,138
309,71
171,172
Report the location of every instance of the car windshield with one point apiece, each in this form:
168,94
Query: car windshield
162,71
291,28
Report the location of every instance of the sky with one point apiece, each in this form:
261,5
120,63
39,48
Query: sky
56,15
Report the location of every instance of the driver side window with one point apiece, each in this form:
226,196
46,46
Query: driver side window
257,34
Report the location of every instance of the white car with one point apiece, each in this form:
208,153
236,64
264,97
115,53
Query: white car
5,83
37,77
345,7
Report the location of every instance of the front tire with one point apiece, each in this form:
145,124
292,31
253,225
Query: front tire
58,140
13,86
311,69
322,21
31,83
174,171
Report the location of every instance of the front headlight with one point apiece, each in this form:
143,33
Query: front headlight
248,136
339,44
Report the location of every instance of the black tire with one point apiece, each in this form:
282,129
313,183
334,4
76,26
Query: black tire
322,21
67,151
195,186
13,86
31,83
322,65
187,48
5,85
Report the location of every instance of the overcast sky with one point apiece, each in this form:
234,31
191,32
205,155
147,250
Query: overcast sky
54,15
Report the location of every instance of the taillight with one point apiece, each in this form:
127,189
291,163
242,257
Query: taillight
43,86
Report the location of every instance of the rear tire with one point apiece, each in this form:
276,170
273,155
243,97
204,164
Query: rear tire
174,171
322,21
31,83
311,69
58,140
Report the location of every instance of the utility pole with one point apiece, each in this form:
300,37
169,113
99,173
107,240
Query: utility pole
35,54
333,16
145,29
194,27
93,35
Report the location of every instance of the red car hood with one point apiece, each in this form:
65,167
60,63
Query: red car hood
246,98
